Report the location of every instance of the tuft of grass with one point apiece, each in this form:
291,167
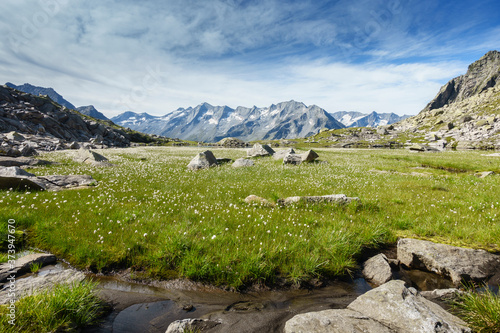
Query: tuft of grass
63,308
481,310
35,267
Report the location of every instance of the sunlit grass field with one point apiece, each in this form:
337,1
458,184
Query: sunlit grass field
150,213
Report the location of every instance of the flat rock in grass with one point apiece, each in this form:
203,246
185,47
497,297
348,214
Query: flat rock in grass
377,269
191,325
21,183
23,264
341,199
203,160
485,174
14,171
21,161
253,199
402,310
57,182
26,286
334,321
455,263
282,153
243,162
260,150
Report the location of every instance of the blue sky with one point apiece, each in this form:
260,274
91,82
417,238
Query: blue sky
155,56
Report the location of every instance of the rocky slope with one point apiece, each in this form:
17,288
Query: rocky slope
466,111
29,123
212,123
374,119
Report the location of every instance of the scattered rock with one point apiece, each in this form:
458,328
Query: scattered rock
484,174
455,263
223,160
14,136
14,171
334,198
309,156
18,179
441,294
253,199
203,160
231,142
334,321
403,310
191,325
26,286
243,162
21,161
90,157
377,270
23,264
282,153
293,159
260,150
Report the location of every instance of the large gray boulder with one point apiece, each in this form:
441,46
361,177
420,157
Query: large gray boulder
21,161
296,159
14,171
309,156
334,321
403,310
260,150
203,160
455,263
16,178
390,308
377,269
23,264
333,198
243,162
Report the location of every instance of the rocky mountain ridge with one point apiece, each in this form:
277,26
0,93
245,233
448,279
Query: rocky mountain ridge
212,123
374,119
36,91
30,123
91,111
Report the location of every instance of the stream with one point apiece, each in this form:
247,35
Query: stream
142,308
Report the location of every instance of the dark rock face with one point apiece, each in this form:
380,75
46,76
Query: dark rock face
481,75
45,125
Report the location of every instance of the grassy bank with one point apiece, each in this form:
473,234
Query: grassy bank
150,213
63,308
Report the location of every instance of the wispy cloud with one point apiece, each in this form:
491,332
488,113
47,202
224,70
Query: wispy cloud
360,55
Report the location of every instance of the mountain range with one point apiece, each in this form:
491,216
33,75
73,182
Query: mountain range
209,123
374,119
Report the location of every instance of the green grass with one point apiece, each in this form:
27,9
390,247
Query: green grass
150,213
481,310
62,309
35,267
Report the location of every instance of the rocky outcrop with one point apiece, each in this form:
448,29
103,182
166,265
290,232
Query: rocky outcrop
390,308
253,199
457,264
260,150
243,162
23,264
203,160
377,270
18,179
296,159
333,198
481,75
231,142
